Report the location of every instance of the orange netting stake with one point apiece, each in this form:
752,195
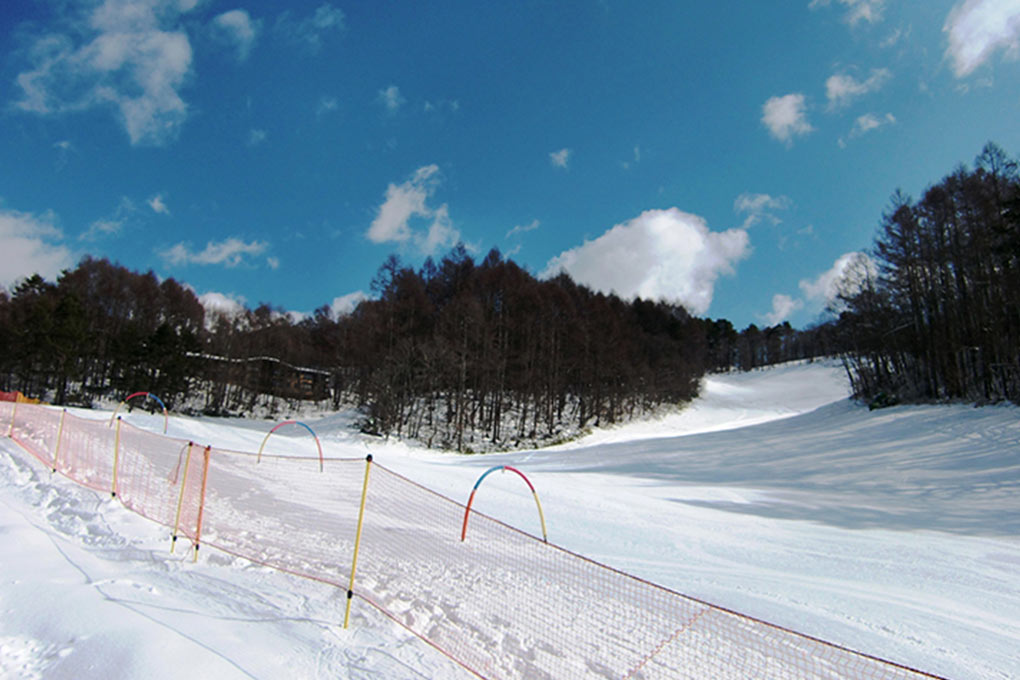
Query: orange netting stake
201,503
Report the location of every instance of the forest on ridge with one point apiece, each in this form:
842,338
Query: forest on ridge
455,349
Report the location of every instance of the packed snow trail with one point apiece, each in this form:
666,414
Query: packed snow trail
813,574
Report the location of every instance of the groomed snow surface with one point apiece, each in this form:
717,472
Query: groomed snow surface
892,532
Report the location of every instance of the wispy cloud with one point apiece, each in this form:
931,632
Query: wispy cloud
561,158
441,106
64,149
256,137
407,201
391,99
326,105
869,122
112,224
976,29
635,159
132,58
865,124
237,28
523,228
842,88
660,254
158,205
230,253
857,11
758,207
311,31
786,117
30,244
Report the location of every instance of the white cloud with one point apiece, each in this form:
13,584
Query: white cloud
129,56
759,207
978,28
345,304
402,202
785,117
856,10
846,276
841,88
30,244
391,99
230,306
230,253
408,200
783,307
660,254
560,158
238,28
523,228
310,31
441,233
158,206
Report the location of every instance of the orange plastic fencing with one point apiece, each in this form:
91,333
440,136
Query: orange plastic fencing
503,604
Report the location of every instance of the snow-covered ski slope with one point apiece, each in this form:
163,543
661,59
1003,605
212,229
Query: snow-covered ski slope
892,532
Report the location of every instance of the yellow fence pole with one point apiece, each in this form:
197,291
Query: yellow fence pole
201,503
60,433
116,459
357,540
180,497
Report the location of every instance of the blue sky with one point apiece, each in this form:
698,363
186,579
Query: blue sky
729,156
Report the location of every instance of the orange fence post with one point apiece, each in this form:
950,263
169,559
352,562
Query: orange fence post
116,459
180,497
201,503
60,433
357,539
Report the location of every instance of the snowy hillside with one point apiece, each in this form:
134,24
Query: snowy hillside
894,532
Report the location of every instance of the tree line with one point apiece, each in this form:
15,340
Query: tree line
458,353
938,315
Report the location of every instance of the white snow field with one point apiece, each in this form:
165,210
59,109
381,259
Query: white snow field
895,533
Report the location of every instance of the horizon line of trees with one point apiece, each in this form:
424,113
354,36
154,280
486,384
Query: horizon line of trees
457,350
